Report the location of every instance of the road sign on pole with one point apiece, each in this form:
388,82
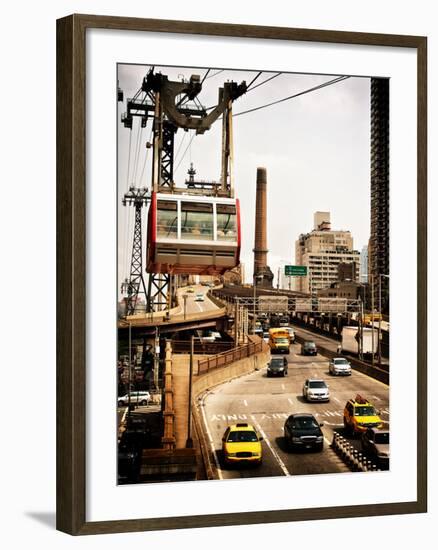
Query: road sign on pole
295,270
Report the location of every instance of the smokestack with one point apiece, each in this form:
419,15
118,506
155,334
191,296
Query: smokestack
262,273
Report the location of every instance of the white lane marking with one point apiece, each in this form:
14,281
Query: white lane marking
283,387
336,399
376,398
245,402
273,451
218,468
290,400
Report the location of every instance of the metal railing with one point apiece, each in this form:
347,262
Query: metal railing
228,357
201,347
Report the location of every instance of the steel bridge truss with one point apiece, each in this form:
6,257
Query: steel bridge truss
296,305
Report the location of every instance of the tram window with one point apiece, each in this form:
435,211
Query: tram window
196,221
167,219
226,222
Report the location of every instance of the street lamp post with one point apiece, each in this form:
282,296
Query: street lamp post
129,372
379,350
185,296
255,279
372,322
189,442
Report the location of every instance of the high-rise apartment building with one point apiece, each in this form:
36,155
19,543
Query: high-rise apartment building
378,260
322,250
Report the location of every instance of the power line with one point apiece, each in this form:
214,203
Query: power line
215,74
185,151
145,159
137,152
180,145
253,80
264,82
330,82
205,76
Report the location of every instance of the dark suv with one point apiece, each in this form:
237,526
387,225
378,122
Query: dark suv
308,348
277,366
302,431
376,443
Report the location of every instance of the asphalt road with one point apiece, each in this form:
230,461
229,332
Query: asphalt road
194,306
267,402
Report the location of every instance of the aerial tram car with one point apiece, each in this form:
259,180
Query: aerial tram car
193,234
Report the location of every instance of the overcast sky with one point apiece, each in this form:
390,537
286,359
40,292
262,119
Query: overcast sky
315,148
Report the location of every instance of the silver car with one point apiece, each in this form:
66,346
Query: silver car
340,366
137,398
316,390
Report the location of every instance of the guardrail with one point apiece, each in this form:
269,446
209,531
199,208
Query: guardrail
227,357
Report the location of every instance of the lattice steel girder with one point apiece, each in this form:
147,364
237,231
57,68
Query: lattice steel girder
136,284
158,289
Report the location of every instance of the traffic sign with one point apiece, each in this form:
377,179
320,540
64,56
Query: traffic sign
295,270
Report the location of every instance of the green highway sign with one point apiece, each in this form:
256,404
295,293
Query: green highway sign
295,270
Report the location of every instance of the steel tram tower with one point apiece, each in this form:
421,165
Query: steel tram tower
172,105
135,285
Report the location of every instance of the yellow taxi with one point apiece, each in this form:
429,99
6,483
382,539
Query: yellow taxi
359,415
241,443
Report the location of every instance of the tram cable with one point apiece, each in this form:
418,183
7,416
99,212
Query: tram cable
129,161
313,89
184,154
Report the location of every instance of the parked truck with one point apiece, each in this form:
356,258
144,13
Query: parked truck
279,340
351,340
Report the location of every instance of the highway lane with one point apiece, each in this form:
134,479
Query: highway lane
267,402
194,306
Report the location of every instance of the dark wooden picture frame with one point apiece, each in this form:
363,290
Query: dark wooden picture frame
71,273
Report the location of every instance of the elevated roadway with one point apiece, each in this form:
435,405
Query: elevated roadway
198,310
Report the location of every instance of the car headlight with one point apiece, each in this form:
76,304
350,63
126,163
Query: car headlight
319,438
255,454
296,439
382,455
231,454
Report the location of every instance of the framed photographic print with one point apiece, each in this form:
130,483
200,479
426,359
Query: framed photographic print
241,288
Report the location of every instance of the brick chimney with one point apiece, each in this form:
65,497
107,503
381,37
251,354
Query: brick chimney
262,272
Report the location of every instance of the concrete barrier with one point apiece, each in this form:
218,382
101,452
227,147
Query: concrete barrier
354,459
